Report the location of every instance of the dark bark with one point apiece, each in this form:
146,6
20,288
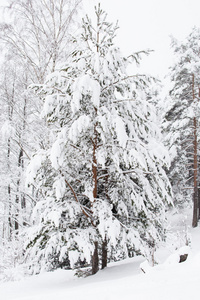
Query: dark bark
20,159
17,212
9,195
94,160
199,203
104,254
20,165
9,213
195,194
195,208
95,259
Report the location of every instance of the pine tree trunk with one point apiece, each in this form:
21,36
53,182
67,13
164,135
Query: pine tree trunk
195,208
199,203
9,195
95,259
94,158
17,210
104,244
195,194
9,213
104,254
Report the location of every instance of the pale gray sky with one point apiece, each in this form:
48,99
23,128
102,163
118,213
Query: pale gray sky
148,24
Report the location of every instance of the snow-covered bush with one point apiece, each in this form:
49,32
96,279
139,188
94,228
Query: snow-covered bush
11,260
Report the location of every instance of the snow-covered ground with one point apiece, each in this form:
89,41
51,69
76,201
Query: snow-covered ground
122,280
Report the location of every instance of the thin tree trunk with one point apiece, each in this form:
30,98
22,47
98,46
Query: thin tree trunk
104,254
95,259
94,160
195,194
198,203
105,242
17,209
21,158
9,214
9,195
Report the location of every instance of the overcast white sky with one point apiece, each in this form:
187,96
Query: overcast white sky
148,24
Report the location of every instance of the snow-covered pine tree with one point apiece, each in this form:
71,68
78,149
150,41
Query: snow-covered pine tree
101,181
181,120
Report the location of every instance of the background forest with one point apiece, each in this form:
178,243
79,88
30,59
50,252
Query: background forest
93,156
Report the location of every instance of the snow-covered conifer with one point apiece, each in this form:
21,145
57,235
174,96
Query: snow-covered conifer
181,120
102,180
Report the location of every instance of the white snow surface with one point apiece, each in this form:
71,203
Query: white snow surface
121,280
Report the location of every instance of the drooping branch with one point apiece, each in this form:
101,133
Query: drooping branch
76,198
122,79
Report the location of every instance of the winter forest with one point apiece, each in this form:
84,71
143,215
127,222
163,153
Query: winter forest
94,158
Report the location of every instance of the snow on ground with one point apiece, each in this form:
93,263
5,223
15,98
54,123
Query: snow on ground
168,280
